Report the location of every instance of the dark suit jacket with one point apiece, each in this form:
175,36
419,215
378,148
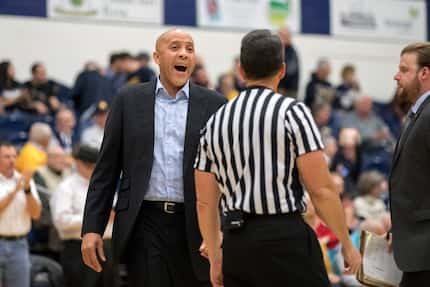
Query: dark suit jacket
128,147
410,194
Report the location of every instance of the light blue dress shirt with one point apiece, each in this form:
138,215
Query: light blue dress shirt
419,102
170,117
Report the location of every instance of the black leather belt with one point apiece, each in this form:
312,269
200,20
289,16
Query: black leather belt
11,237
165,206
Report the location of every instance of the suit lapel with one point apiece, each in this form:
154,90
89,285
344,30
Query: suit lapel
197,106
145,105
404,136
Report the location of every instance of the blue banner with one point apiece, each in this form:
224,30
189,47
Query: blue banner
181,13
35,8
316,16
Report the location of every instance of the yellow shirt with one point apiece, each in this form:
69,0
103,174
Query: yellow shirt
30,158
233,94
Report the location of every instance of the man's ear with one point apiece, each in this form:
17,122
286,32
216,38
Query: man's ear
282,71
425,73
156,57
242,72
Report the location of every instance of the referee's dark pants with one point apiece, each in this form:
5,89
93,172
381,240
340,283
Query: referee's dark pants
273,250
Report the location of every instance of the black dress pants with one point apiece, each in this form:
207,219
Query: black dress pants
415,279
273,250
157,252
76,273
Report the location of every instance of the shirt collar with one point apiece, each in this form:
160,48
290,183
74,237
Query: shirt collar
16,175
81,179
419,102
184,91
38,146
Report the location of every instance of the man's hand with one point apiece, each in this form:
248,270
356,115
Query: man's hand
26,177
352,260
54,103
92,245
204,250
41,108
216,270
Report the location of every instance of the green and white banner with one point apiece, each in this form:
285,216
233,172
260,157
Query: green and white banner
249,14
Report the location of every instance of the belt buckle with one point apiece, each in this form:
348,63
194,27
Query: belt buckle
169,207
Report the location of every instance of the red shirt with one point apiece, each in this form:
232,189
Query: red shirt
323,231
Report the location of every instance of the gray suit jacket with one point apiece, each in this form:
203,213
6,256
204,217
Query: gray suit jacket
410,194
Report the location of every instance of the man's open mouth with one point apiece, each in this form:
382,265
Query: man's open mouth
180,68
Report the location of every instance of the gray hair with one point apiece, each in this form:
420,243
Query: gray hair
39,132
322,62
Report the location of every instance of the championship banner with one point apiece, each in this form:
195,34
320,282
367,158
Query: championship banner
388,19
146,11
249,14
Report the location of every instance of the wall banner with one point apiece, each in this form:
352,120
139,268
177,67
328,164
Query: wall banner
389,19
249,14
146,11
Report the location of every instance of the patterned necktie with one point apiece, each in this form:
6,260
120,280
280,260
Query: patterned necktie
409,118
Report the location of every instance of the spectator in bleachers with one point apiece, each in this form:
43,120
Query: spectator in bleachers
93,135
377,143
90,87
12,94
393,113
373,131
137,74
347,161
116,71
325,238
226,86
369,206
144,59
319,88
200,76
43,91
289,85
326,120
330,148
19,203
58,165
347,91
67,207
239,82
33,153
45,238
64,131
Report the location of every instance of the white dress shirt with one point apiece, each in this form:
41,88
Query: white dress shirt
93,136
67,207
15,219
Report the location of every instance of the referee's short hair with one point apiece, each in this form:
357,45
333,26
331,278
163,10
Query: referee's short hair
261,54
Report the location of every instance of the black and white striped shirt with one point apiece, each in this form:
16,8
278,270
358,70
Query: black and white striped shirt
251,145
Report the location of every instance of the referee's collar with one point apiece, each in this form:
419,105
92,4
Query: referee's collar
256,87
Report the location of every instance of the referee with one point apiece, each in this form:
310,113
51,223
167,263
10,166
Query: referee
257,155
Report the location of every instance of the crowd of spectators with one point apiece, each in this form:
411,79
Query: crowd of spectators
57,131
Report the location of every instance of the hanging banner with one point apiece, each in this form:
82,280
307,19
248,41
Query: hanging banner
146,11
389,19
249,14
